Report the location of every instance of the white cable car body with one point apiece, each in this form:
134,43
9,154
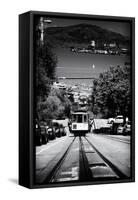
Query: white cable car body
79,123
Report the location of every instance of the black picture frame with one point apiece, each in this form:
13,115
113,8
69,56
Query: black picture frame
27,92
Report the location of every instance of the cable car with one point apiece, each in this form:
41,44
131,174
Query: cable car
79,123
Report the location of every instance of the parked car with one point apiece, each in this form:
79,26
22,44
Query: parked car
38,136
51,133
56,129
127,128
120,129
111,120
44,133
62,130
119,119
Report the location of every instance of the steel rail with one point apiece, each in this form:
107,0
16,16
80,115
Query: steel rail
116,170
54,171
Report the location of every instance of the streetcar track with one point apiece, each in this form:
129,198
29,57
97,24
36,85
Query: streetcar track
116,170
85,172
54,171
85,168
98,165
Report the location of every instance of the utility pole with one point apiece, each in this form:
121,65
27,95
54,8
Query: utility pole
42,27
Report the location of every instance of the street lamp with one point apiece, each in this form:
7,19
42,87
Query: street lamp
43,25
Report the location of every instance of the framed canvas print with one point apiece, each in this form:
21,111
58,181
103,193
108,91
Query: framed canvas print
76,99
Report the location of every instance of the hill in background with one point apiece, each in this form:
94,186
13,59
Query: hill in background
83,34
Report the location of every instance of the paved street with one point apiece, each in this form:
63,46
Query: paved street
115,148
90,158
48,155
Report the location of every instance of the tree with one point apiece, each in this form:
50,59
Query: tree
112,92
56,105
45,62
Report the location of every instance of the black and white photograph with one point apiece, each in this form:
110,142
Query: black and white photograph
83,100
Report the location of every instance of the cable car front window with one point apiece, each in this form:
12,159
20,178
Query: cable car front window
85,118
79,118
74,118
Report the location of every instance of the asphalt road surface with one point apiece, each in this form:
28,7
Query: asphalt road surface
91,158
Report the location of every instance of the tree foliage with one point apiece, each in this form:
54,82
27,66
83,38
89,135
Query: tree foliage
56,105
112,92
45,62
